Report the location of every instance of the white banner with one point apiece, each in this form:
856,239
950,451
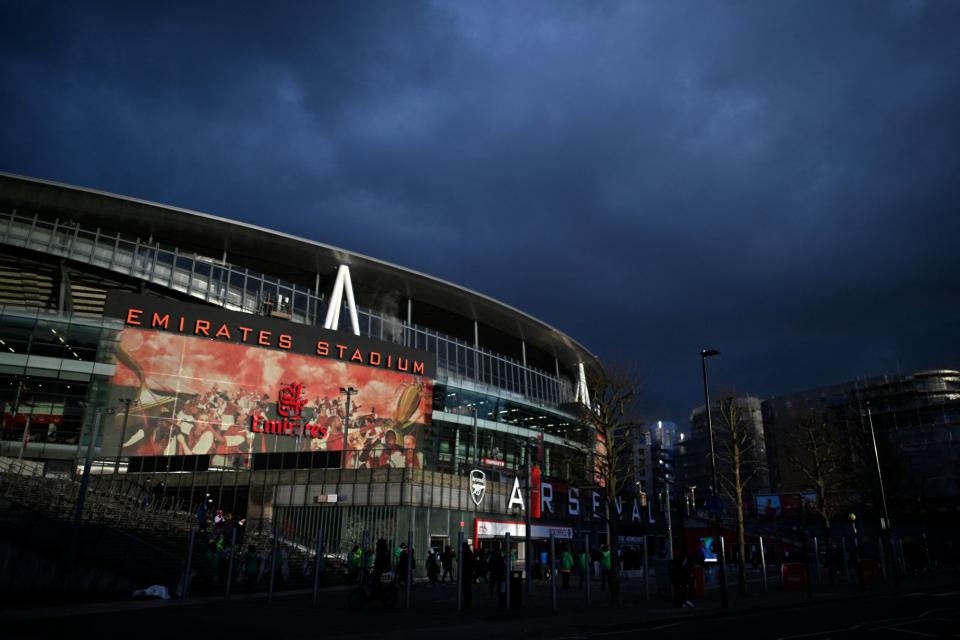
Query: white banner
496,529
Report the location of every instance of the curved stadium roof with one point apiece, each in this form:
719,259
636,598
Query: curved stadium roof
288,257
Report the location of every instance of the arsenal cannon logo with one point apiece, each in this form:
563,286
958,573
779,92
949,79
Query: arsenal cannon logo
478,486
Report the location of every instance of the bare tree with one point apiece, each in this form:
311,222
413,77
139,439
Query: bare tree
740,459
612,399
821,459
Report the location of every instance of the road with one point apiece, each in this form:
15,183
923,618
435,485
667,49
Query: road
926,612
913,615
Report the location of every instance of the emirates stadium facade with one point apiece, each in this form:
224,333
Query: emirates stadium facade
288,382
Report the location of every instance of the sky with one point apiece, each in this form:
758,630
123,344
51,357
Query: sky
776,180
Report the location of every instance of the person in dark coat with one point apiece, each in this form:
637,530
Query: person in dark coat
497,571
446,562
681,576
479,566
433,566
466,575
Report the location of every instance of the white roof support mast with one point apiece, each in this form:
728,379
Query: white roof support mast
583,393
332,321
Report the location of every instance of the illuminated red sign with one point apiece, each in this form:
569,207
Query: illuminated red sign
217,324
290,403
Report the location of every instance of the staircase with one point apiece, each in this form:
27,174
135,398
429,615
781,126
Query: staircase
117,546
141,543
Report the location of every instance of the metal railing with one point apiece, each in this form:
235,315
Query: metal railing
241,289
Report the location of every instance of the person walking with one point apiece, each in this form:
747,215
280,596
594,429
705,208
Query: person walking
211,566
566,566
479,565
381,561
446,561
282,573
605,564
583,566
466,575
158,490
354,558
497,566
251,567
681,578
402,564
433,566
202,517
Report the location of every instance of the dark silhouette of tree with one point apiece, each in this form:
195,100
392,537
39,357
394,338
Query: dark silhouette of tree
612,397
821,457
739,460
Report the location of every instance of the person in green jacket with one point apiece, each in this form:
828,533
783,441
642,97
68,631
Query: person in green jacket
583,568
566,566
211,566
251,567
604,567
354,559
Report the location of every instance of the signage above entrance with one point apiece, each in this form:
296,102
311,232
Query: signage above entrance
221,325
485,529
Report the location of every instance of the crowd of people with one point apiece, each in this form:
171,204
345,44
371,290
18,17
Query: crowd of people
224,536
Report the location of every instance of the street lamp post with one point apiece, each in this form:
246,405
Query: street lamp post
126,402
856,550
704,354
528,523
666,484
349,392
883,501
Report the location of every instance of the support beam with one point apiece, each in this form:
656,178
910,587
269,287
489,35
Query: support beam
341,285
583,393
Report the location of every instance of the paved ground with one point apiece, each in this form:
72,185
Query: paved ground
925,608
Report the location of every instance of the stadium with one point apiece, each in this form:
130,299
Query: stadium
286,384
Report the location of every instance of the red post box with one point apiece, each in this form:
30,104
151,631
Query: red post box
794,575
698,582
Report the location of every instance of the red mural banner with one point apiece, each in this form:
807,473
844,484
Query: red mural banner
196,396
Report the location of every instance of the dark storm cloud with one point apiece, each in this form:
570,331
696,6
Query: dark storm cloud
776,180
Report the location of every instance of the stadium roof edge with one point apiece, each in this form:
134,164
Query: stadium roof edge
26,191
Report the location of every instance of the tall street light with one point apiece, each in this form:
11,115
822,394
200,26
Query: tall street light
704,354
883,500
349,392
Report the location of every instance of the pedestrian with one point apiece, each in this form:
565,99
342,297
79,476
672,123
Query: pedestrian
479,565
202,517
433,566
466,573
677,582
211,566
158,490
566,566
251,567
282,571
446,562
583,566
605,564
402,564
497,566
354,559
397,552
379,561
